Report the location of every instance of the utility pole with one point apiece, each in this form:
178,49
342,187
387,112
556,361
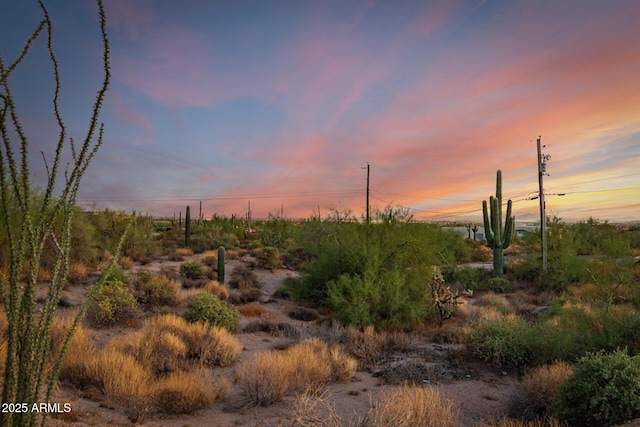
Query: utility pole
542,170
368,215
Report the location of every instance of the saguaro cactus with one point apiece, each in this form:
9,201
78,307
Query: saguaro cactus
221,265
498,237
187,227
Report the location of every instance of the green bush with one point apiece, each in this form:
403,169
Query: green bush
208,308
603,390
503,342
155,290
381,299
268,257
112,302
193,270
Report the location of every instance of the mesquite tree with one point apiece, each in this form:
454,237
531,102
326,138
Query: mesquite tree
33,221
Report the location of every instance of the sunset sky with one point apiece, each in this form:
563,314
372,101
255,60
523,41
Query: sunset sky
283,103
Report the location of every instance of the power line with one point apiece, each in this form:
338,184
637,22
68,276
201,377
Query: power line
221,197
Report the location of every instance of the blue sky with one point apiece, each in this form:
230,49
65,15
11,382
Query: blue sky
283,103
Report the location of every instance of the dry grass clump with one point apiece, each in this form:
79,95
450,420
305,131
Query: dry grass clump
168,343
543,382
510,422
367,346
312,409
251,310
44,274
184,392
126,262
180,254
210,258
3,342
75,368
216,288
265,377
78,272
268,376
411,406
496,302
243,278
124,380
161,367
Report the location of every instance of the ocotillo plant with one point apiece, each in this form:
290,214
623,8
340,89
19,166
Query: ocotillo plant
30,222
187,227
498,237
221,265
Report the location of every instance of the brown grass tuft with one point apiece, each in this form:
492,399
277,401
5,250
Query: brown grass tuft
510,422
216,288
251,310
543,382
367,346
78,272
410,406
184,392
126,262
269,376
124,380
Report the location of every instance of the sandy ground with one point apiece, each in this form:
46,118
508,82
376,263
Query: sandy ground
480,391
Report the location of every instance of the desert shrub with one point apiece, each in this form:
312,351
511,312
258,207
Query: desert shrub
502,341
181,253
268,257
269,375
209,308
168,343
251,310
542,383
193,270
603,390
264,378
155,289
367,345
116,273
112,302
124,380
388,298
74,368
469,277
410,406
499,284
216,288
78,272
511,422
126,262
244,278
184,392
211,345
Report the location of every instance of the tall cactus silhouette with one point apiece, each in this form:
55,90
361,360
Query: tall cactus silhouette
187,227
498,237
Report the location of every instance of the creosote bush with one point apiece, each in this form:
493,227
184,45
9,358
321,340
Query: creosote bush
268,257
208,308
193,270
156,289
603,390
112,302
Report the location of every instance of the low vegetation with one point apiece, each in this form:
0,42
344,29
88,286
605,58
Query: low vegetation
268,376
